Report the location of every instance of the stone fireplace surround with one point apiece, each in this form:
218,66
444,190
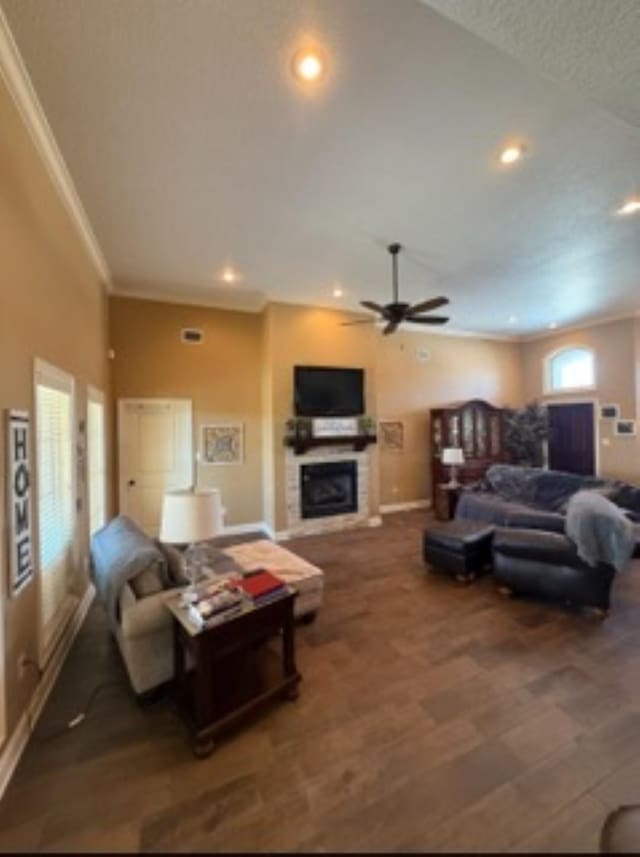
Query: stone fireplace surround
299,526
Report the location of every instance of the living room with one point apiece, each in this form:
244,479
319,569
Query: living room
190,217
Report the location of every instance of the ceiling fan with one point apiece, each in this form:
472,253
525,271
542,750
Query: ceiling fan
396,312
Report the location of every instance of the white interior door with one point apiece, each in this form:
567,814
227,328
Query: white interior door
155,447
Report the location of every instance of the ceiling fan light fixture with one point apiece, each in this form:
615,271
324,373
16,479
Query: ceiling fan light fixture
397,312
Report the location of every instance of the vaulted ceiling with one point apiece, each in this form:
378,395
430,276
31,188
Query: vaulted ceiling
192,147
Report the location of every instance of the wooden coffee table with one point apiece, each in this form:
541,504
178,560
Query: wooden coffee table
225,672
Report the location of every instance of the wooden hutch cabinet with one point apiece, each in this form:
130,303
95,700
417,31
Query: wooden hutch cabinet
478,428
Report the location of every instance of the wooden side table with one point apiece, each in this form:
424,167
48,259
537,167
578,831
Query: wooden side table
446,500
224,672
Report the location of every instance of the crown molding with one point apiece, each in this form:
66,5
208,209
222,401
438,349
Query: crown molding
174,297
572,328
18,82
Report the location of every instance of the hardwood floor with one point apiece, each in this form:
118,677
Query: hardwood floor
432,716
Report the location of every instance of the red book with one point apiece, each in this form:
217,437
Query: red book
261,584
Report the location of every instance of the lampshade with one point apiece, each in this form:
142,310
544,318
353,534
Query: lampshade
452,455
190,516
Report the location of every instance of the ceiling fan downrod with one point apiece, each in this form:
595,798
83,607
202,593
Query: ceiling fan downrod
394,249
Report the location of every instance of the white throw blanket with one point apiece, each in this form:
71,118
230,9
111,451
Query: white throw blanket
600,530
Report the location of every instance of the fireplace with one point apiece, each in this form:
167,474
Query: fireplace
328,489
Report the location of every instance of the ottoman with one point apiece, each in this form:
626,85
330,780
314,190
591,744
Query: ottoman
460,548
307,579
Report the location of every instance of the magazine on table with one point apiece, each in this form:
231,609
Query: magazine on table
219,600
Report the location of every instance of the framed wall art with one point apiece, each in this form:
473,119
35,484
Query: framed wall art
19,501
609,412
626,428
391,435
222,443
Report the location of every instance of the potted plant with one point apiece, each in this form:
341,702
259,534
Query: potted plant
526,430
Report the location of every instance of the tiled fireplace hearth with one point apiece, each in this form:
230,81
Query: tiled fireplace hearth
329,498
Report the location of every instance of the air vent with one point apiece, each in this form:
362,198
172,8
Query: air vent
192,335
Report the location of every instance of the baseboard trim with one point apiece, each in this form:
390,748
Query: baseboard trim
242,529
389,508
19,738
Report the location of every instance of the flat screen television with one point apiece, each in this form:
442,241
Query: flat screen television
321,391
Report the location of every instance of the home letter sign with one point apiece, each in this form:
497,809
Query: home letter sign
19,502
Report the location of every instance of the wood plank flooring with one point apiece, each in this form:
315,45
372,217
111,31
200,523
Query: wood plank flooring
432,717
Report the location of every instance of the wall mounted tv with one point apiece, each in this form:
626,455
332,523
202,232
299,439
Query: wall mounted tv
321,391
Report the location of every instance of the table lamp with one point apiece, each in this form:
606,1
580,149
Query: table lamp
189,517
453,457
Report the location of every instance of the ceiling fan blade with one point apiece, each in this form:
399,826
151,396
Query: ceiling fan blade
362,321
427,319
425,306
374,306
390,327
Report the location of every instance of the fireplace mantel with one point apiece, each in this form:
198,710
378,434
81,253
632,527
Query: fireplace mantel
358,441
321,453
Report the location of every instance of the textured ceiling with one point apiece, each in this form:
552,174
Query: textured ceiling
191,148
592,46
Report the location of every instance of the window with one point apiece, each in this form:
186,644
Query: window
96,460
54,459
571,369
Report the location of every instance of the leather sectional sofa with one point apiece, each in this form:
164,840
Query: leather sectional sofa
531,554
536,499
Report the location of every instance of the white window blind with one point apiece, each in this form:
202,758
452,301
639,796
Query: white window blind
97,466
54,456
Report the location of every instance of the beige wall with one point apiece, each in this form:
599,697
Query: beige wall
456,369
399,386
222,377
244,372
312,336
616,348
51,306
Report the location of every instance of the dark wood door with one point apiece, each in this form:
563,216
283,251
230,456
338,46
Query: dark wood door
571,438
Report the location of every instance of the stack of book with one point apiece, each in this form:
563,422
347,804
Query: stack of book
262,587
216,603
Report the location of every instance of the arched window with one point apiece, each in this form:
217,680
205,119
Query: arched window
571,369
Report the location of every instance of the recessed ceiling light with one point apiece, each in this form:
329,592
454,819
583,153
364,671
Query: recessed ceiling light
511,154
337,292
512,319
228,275
309,65
631,206
553,325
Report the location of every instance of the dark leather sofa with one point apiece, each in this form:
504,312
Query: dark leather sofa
547,565
532,498
531,555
